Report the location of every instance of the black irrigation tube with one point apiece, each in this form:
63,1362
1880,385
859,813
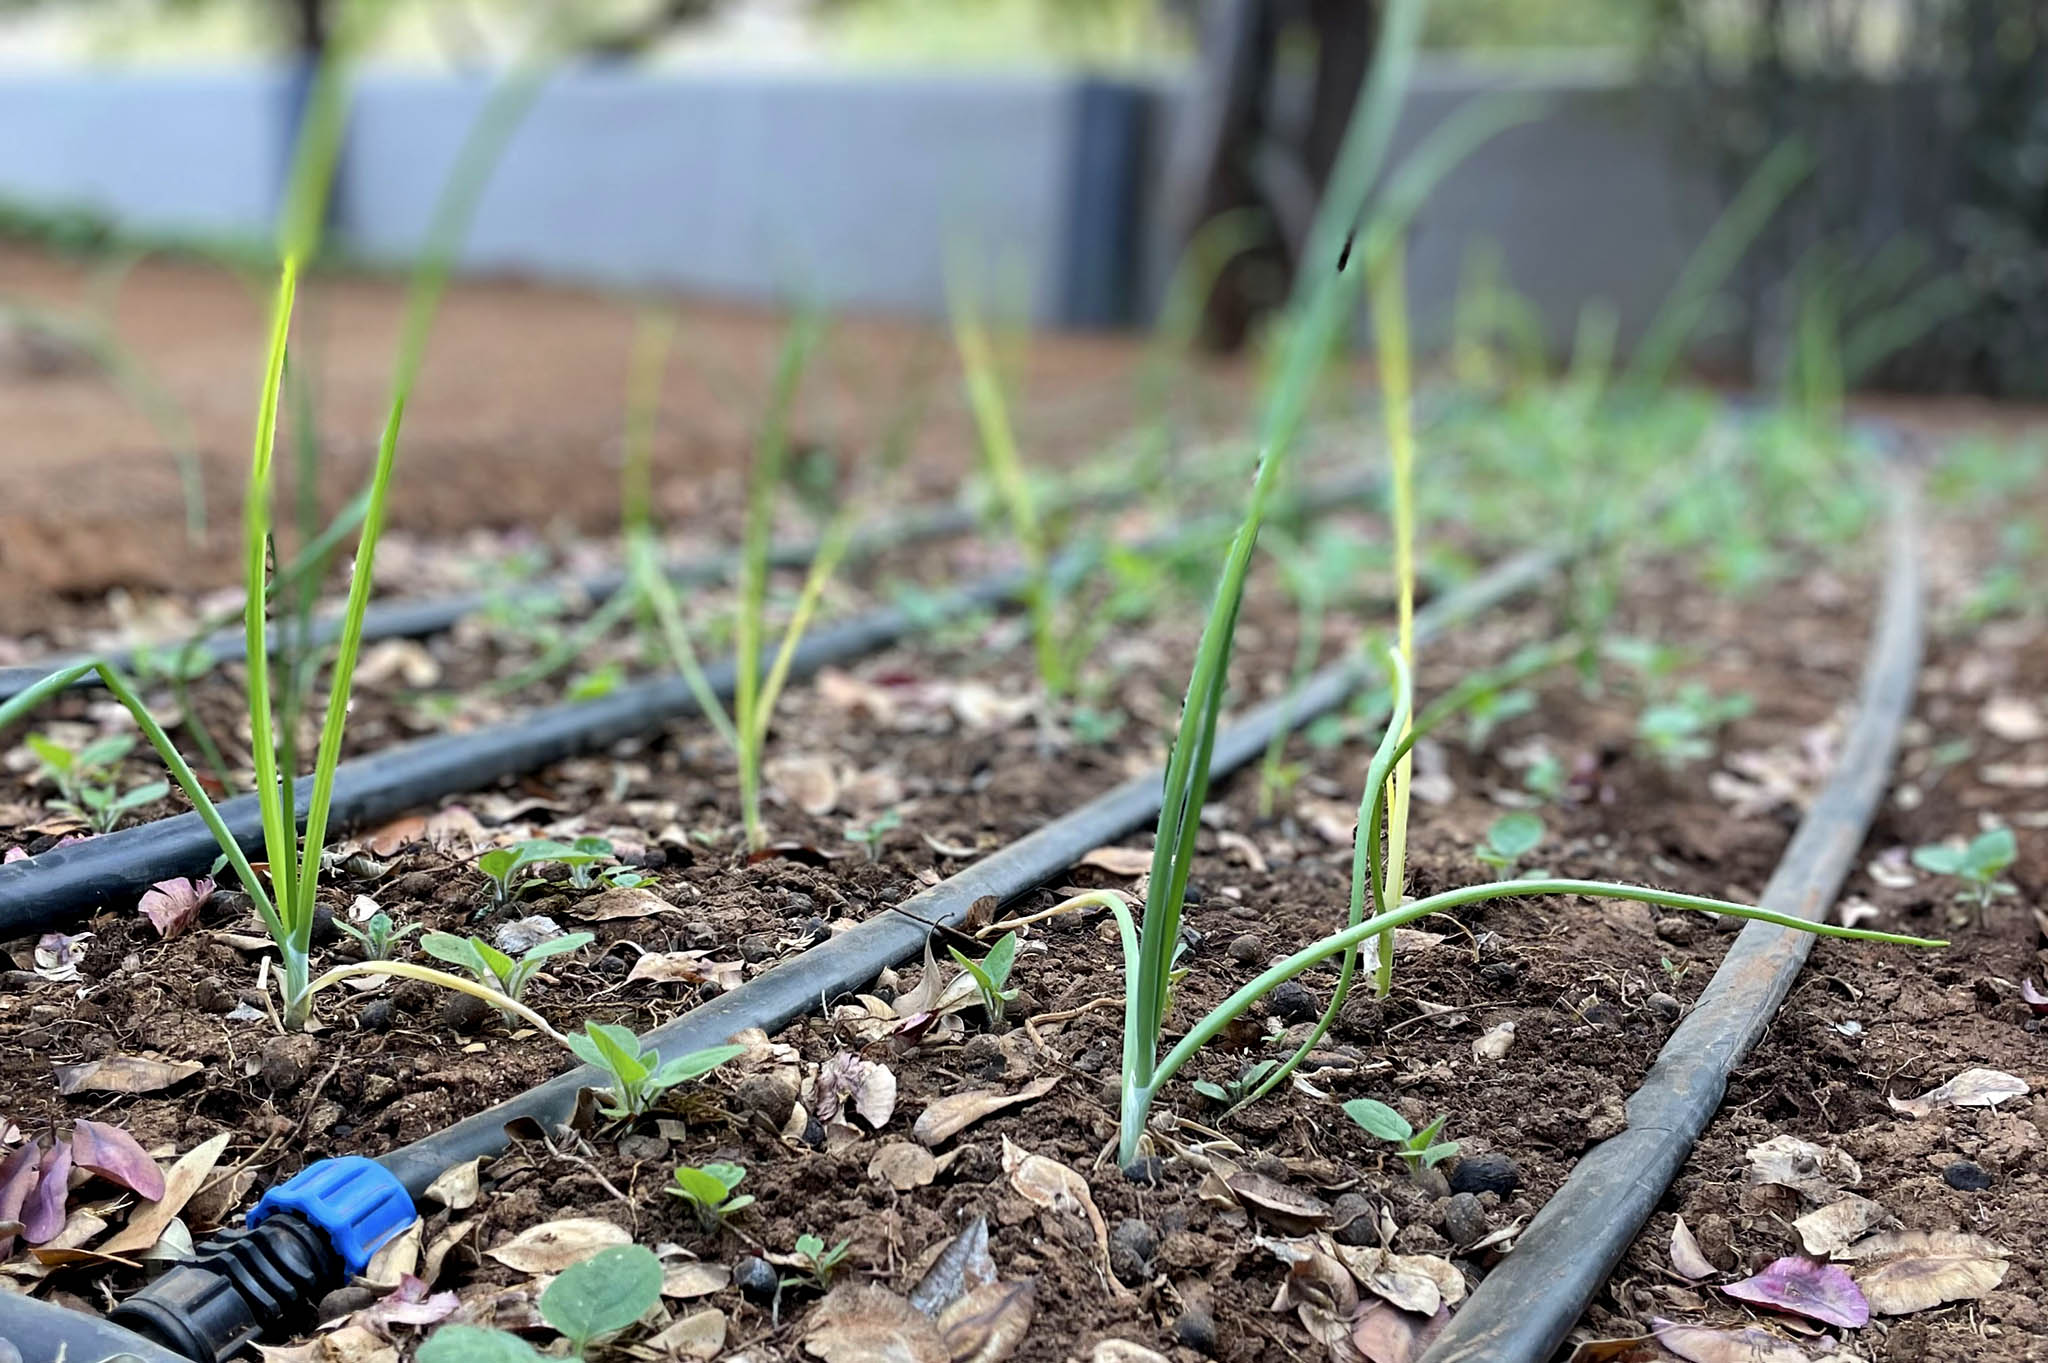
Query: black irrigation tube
60,885
1525,1307
852,959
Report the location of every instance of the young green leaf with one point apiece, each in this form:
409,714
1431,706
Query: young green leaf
603,1294
1379,1119
474,1344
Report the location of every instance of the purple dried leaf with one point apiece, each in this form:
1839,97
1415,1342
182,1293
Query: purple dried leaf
172,905
14,854
1817,1291
43,1215
17,1177
2031,995
114,1155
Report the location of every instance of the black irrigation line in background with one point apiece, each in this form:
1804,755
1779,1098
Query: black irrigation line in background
57,886
1525,1307
855,957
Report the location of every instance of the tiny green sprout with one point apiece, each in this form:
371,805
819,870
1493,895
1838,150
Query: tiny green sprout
990,974
505,866
1680,731
708,1188
85,779
597,683
821,1264
871,837
380,935
1977,865
1235,1091
1546,777
1488,710
640,1077
1510,838
625,878
1095,727
582,861
1419,1149
492,967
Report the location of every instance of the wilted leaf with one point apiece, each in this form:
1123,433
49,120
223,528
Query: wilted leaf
1123,1351
1810,1170
123,1074
1698,1344
1686,1257
1838,1224
1817,1291
114,1155
456,832
685,967
387,839
1971,1088
807,780
148,1220
867,1323
1904,1271
988,1324
2031,995
620,902
57,955
1414,1282
694,1278
1494,1043
554,1245
42,1216
1045,1182
870,1087
903,1166
962,1266
1384,1333
456,1186
1118,861
17,1181
701,1334
1290,1209
951,1115
172,905
406,659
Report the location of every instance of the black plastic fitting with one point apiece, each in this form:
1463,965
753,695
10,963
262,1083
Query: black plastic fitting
239,1286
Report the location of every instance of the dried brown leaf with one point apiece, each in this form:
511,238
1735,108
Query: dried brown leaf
810,781
1686,1258
554,1245
1698,1344
1287,1208
1971,1088
1384,1333
963,1265
701,1334
1839,1224
1119,861
114,1155
1912,1270
989,1322
951,1115
621,901
903,1166
694,1278
1045,1182
456,1186
1816,1173
148,1220
867,1323
123,1074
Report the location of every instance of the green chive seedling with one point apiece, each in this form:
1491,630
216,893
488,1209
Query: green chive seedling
709,1189
871,837
378,937
493,968
1509,838
640,1077
990,974
85,780
1418,1149
599,1296
1978,864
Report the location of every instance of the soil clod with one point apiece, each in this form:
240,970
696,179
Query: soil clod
464,1013
1465,1220
1247,949
1131,1247
767,1098
1967,1176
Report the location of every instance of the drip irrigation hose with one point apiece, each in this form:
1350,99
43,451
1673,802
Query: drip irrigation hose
854,958
43,1332
1524,1309
57,886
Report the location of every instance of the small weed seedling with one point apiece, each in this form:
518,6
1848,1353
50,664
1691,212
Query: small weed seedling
709,1191
493,968
990,974
1977,865
1418,1149
1545,777
1511,837
640,1077
1237,1090
1680,731
600,1296
85,780
871,837
820,1264
378,937
1489,710
505,867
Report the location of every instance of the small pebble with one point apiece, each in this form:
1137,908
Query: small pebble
1247,949
757,946
464,1012
1196,1329
1465,1220
1145,1169
1131,1247
1291,1002
1967,1176
1353,1220
324,931
1488,1173
1674,929
1665,1006
768,1098
814,1133
640,1147
755,1278
378,1015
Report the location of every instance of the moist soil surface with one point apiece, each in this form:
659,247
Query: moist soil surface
947,734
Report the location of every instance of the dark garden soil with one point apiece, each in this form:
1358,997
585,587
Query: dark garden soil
944,733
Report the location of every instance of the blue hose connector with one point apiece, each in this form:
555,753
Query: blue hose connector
356,1201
